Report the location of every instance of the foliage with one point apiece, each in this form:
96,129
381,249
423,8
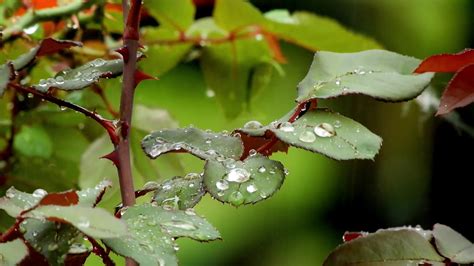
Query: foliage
237,56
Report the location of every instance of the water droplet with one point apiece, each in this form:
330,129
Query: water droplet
175,247
229,163
150,185
337,124
262,169
222,185
83,222
98,62
252,152
30,95
59,80
287,127
177,224
62,108
286,171
259,37
345,89
251,188
238,175
32,29
39,193
191,176
43,83
358,130
236,198
210,93
307,136
324,130
253,125
220,193
263,195
208,141
166,187
338,81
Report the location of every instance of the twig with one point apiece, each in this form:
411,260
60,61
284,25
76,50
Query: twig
100,251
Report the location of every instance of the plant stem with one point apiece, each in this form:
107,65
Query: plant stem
34,16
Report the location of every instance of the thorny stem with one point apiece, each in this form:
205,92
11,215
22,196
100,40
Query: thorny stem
32,17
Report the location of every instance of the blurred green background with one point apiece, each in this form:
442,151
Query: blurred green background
422,175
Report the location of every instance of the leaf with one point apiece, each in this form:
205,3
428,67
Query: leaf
66,198
243,182
15,202
202,144
380,74
236,14
151,232
396,246
52,240
5,73
446,62
453,245
459,92
94,222
315,32
13,252
83,76
181,192
33,141
178,14
91,196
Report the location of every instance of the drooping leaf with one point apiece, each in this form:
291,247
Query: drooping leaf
13,252
33,141
83,76
398,247
195,141
52,240
182,192
453,245
243,182
94,222
446,62
380,74
315,32
151,232
178,14
459,92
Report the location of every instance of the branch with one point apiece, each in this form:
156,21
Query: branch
32,17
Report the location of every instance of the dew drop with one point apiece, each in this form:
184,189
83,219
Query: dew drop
337,124
252,152
286,171
338,81
263,195
238,175
222,185
210,93
39,193
324,130
59,80
32,29
307,136
262,169
83,222
236,198
253,125
177,224
251,188
98,62
287,127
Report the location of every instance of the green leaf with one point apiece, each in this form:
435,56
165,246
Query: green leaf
227,70
91,196
453,245
165,56
33,141
52,240
151,231
13,252
195,141
15,202
178,14
396,246
315,32
236,14
94,222
243,182
380,74
83,76
5,73
181,192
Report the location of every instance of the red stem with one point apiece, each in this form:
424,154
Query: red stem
100,251
13,232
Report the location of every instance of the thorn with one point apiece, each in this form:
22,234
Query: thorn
124,52
141,76
111,130
113,157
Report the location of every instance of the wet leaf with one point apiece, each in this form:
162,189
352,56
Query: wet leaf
195,141
399,247
94,222
66,198
380,74
178,14
446,62
13,252
243,182
182,192
459,92
83,76
33,141
453,245
15,202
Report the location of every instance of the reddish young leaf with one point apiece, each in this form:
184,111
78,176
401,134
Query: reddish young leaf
459,92
265,145
348,236
50,46
66,198
446,62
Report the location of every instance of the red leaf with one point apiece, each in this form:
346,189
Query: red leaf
51,46
349,236
459,92
270,143
446,62
67,198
